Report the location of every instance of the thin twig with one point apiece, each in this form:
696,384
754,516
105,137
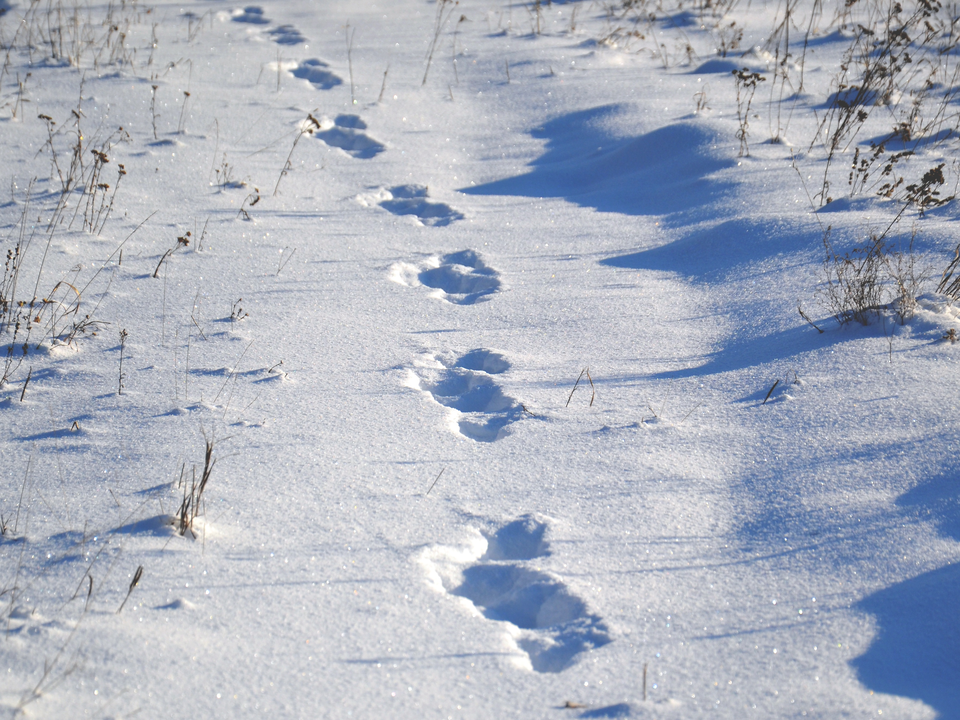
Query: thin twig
25,383
283,263
435,481
123,344
439,23
119,249
570,397
23,489
348,38
804,316
133,583
691,412
235,371
383,86
770,392
167,254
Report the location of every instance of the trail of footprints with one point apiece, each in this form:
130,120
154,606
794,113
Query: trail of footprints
346,131
251,14
467,384
546,622
551,626
282,34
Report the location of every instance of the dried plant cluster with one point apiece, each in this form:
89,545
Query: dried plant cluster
888,129
75,198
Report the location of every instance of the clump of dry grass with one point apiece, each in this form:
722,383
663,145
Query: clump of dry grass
191,506
875,276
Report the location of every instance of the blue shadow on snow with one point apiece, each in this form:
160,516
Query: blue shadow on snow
916,653
710,254
659,173
620,710
746,352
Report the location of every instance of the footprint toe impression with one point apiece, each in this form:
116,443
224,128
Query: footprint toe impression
521,539
486,361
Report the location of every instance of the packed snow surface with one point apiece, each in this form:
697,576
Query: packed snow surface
479,360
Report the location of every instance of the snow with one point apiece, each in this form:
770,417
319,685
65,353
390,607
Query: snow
509,406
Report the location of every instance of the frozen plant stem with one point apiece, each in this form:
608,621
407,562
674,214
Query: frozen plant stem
236,370
283,262
435,481
348,38
25,383
585,371
123,344
183,108
307,127
153,110
805,317
249,201
770,392
444,9
163,257
21,86
190,506
690,413
23,490
383,85
133,583
456,31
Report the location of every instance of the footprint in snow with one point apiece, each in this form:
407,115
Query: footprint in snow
316,72
282,34
467,385
412,200
286,35
346,133
462,278
551,625
250,14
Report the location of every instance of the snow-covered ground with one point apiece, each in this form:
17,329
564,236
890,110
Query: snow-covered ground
478,360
